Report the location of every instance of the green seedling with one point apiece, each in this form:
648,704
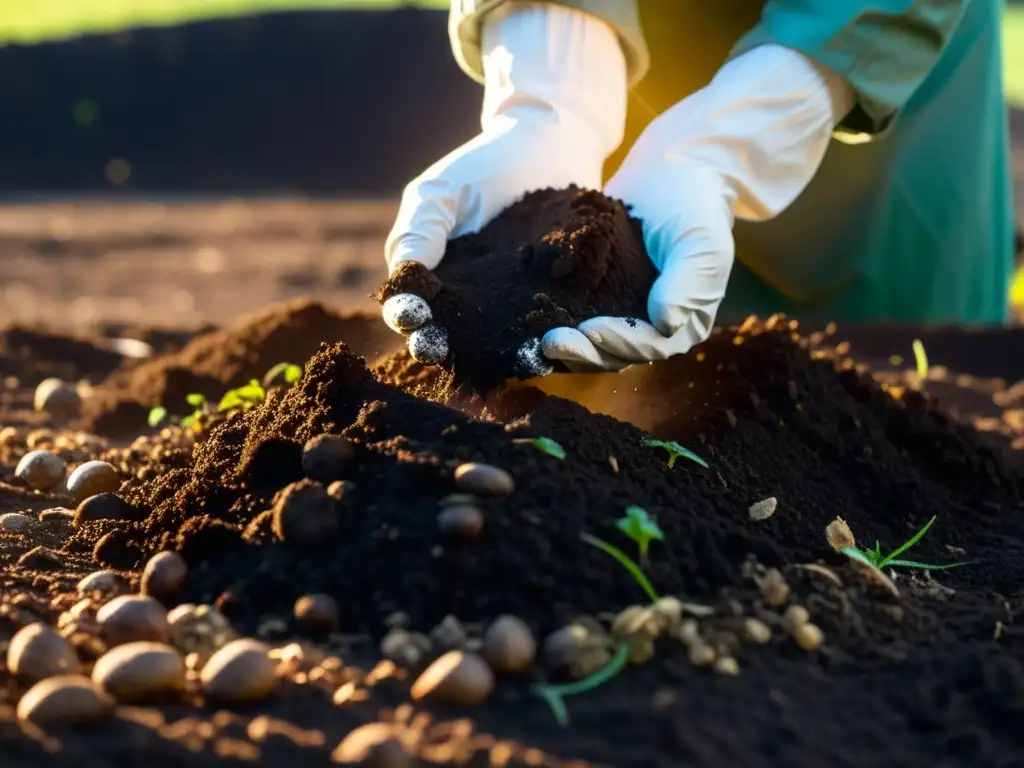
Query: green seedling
288,371
544,445
675,450
639,526
198,403
243,398
874,557
157,416
921,358
555,695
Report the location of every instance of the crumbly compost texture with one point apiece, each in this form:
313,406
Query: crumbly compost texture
555,258
932,678
214,362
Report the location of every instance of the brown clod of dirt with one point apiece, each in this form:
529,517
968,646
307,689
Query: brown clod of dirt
215,362
556,258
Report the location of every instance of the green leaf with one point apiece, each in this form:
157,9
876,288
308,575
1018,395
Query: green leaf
911,541
189,420
626,562
675,450
288,371
230,400
922,566
292,374
548,446
639,526
195,400
252,392
157,416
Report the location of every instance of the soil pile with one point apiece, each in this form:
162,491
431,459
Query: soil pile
32,354
553,259
227,358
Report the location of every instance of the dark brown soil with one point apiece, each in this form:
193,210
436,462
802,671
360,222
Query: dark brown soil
556,258
220,360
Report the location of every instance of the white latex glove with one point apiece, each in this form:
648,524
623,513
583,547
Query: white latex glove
744,146
554,109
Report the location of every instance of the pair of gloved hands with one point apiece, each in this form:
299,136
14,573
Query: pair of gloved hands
554,109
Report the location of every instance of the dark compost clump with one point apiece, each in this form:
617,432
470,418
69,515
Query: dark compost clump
555,258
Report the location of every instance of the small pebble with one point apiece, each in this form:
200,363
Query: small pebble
140,670
305,515
325,457
241,671
509,645
794,617
104,582
41,470
762,510
463,521
756,631
809,636
64,700
54,514
199,629
131,618
429,345
164,575
57,398
725,665
317,612
701,654
484,479
92,478
404,648
374,745
458,678
37,651
773,586
15,522
103,506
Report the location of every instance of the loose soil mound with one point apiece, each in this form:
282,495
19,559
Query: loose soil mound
227,358
32,354
554,259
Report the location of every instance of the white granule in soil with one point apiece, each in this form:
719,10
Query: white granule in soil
531,360
406,312
429,345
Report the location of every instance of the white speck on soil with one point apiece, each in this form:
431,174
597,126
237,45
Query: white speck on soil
406,312
762,510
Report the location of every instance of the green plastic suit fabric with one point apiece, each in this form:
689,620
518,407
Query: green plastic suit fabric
910,217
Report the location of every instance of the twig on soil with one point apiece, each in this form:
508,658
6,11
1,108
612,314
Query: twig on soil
675,450
555,695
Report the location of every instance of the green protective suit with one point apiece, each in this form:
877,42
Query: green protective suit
910,217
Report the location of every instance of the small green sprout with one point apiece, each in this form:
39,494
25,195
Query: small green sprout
544,445
555,695
157,416
288,371
874,557
675,450
921,358
639,526
244,397
626,562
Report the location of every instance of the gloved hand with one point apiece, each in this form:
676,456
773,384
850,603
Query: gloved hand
554,110
744,146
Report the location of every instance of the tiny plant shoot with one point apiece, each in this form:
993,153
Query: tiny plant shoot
555,695
876,559
675,450
288,371
157,416
921,358
544,445
639,526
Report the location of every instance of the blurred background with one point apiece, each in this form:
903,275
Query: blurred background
176,162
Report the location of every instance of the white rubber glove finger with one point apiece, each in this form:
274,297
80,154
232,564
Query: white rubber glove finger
625,338
405,312
578,353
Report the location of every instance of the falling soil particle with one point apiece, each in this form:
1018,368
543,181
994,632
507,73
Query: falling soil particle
554,259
